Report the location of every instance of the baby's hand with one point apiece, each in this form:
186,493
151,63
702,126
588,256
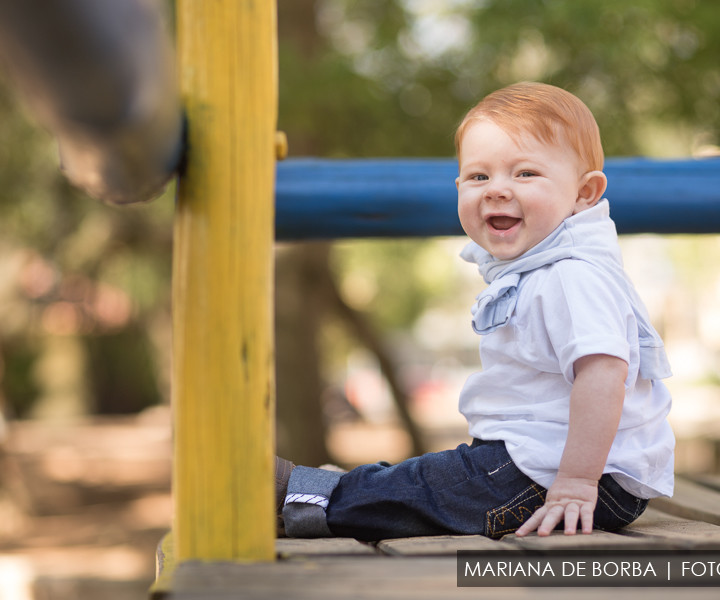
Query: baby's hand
569,498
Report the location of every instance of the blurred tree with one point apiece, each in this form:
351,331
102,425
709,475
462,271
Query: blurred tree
638,65
73,269
358,78
306,292
392,78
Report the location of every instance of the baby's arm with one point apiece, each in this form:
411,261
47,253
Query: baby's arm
596,403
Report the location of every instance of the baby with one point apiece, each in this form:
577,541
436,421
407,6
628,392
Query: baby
568,414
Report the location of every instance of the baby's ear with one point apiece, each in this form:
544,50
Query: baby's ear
590,191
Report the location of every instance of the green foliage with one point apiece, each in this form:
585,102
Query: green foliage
394,280
73,266
634,63
393,78
358,78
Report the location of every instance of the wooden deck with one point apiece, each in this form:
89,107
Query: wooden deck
341,568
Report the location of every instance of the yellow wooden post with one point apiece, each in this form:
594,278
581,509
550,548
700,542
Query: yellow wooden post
223,390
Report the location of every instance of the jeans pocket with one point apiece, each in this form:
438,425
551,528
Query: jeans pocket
508,517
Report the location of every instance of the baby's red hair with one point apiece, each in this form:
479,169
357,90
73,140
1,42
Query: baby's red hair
548,113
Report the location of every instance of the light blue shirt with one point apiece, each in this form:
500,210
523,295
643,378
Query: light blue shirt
566,298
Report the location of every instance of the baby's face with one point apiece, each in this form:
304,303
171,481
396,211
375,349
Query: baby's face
512,195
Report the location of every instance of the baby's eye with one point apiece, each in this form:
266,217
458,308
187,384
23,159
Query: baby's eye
479,177
527,174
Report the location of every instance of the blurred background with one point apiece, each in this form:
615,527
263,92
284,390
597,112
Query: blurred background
373,337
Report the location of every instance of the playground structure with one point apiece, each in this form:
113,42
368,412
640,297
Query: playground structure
217,130
401,198
101,76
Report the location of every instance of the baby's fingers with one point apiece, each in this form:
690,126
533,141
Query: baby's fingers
545,519
532,523
587,511
572,514
552,518
575,513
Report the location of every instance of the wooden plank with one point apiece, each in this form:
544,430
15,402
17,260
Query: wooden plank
662,531
417,197
223,390
557,540
372,578
293,547
286,549
439,545
691,501
320,578
709,480
654,530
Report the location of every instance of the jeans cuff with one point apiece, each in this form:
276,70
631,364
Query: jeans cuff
308,495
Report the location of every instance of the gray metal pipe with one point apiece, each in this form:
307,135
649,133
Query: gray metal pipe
101,76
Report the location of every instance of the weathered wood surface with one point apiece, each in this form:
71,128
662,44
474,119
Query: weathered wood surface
360,578
291,547
709,480
425,567
692,501
439,545
665,531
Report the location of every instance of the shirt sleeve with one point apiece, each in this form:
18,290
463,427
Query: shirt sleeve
585,312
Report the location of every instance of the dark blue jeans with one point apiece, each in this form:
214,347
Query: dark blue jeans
474,489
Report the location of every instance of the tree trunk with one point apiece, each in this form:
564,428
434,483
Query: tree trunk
298,317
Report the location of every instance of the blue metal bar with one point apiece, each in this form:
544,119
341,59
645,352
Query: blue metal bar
332,199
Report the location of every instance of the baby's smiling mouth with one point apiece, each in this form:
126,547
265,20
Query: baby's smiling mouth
502,223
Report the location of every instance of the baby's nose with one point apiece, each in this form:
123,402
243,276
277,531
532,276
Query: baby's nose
498,191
